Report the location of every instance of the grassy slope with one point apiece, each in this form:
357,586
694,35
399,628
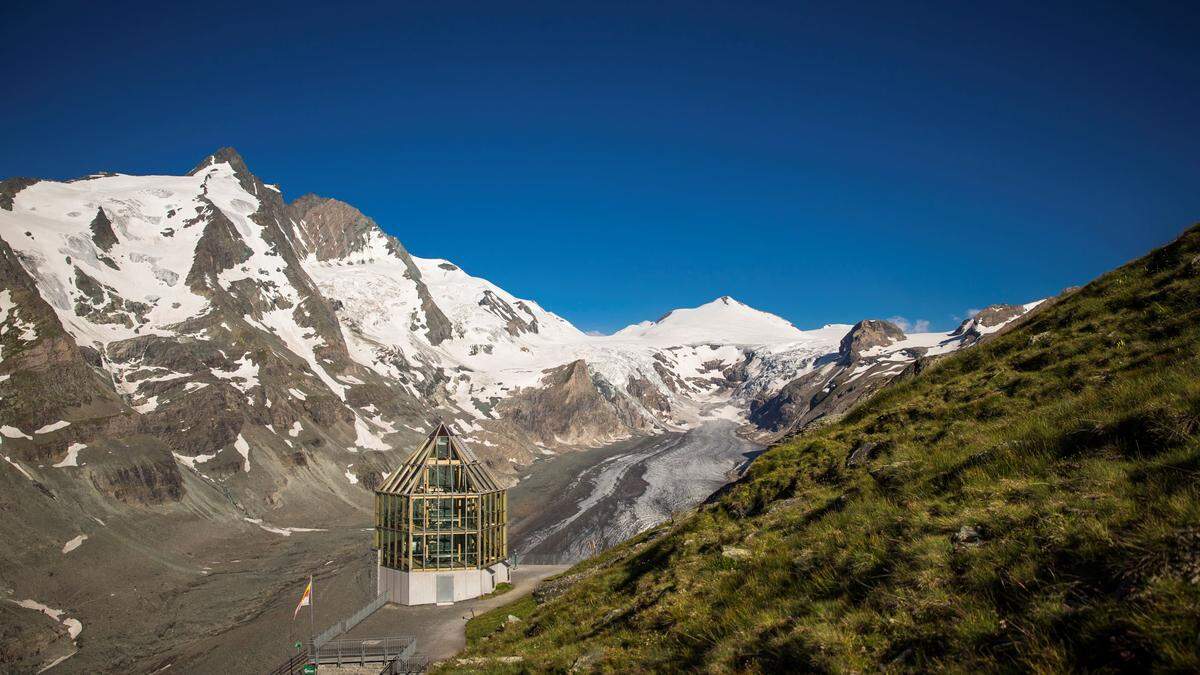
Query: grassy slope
1070,445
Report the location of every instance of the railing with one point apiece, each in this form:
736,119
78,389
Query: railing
545,558
324,649
292,666
403,665
362,652
351,621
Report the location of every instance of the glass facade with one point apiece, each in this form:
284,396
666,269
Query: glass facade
441,522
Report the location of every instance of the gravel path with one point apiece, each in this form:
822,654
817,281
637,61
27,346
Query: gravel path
441,631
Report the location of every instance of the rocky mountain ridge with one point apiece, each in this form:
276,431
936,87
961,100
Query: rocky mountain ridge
214,318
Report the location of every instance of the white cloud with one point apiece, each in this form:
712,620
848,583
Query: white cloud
914,326
972,312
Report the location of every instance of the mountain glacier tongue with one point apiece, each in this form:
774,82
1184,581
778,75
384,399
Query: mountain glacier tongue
239,337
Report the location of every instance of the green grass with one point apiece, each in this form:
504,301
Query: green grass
491,621
1069,445
500,589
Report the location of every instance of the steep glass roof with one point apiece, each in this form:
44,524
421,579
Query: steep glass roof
410,477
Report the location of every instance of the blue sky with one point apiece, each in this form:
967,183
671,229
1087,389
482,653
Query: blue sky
616,160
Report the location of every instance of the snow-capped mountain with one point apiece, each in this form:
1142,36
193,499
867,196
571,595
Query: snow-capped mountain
234,336
722,321
869,356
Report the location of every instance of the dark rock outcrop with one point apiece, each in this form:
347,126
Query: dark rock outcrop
330,229
867,334
49,377
568,407
104,305
515,323
146,482
648,395
9,188
988,317
862,453
102,231
220,248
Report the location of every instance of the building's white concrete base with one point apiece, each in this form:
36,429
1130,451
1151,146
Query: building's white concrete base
421,588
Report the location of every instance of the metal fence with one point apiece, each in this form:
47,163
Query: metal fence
362,652
350,621
519,559
293,666
403,665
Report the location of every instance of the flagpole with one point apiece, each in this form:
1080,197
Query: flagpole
312,622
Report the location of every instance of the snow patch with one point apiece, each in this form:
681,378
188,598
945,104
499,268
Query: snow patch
13,432
150,405
365,438
53,427
18,467
243,449
74,627
191,462
72,458
244,377
74,544
285,531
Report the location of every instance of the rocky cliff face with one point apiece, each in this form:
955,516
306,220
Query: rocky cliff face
868,335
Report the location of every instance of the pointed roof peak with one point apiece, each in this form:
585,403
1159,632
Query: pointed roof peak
410,478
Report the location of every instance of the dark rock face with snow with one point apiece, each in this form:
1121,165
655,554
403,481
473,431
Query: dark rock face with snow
871,355
989,319
867,335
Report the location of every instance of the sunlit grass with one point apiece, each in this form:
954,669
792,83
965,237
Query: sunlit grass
1035,506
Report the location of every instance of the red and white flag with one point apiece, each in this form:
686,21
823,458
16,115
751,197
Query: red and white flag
305,599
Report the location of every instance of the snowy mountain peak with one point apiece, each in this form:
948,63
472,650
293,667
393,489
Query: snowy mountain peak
722,321
226,155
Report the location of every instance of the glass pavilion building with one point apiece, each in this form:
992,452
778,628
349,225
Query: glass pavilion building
441,532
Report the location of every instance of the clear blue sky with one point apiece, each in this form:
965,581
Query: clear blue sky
616,160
